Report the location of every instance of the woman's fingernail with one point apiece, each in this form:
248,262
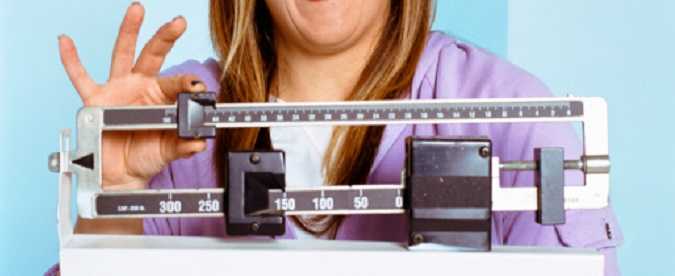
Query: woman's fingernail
196,82
61,37
135,3
176,18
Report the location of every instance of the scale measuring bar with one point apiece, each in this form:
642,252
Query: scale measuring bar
326,200
322,200
233,115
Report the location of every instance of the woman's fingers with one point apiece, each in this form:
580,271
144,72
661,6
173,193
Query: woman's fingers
125,46
152,56
173,85
173,148
84,85
187,148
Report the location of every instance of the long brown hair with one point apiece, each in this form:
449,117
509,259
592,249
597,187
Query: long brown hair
243,37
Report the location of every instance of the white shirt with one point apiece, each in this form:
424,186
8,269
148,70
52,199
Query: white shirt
304,148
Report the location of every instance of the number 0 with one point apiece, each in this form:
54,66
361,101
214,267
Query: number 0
398,201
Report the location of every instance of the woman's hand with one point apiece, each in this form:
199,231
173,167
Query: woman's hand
130,159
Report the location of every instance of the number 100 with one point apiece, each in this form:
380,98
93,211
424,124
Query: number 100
323,203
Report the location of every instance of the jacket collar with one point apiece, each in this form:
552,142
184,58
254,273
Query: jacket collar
425,70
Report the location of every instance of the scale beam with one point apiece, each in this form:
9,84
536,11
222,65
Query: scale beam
199,111
325,200
197,115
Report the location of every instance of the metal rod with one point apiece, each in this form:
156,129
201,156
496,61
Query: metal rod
587,164
532,166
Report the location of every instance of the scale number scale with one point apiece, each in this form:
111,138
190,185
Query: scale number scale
375,112
384,113
148,203
348,200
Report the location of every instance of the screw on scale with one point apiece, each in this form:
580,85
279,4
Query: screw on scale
484,152
417,238
255,158
255,227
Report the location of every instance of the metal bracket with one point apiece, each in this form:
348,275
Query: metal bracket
448,186
191,115
550,177
249,176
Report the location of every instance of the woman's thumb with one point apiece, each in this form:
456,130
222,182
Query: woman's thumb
174,148
187,148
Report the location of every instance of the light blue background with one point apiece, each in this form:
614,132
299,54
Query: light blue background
618,49
622,51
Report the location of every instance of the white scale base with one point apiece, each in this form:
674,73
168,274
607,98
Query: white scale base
157,255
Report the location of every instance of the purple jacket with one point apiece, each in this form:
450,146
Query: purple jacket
447,69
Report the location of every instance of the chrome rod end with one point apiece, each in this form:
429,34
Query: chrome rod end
53,162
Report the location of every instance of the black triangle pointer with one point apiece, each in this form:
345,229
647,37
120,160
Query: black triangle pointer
86,161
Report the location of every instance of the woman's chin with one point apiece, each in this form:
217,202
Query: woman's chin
327,42
326,26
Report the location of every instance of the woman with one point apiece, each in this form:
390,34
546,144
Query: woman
303,50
